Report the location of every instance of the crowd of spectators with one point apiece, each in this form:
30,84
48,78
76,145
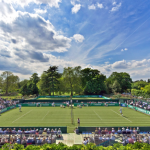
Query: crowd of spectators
28,137
124,136
7,103
140,104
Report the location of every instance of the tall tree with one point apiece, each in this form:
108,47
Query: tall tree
9,82
32,84
72,79
116,87
96,85
43,84
53,76
88,74
123,79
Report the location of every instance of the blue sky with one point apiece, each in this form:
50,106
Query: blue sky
112,35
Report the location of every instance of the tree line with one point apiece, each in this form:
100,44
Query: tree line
73,80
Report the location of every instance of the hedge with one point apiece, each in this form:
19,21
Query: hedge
61,146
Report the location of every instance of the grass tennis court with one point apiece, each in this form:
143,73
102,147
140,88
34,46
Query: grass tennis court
89,116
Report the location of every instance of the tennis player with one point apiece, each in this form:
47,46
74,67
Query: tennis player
78,120
20,107
121,111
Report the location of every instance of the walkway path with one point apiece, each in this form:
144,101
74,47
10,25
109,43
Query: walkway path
70,139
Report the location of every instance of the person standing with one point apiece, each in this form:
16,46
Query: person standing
121,111
20,107
78,120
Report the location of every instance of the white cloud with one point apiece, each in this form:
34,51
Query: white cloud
116,7
76,8
122,50
78,38
114,3
92,6
125,49
100,5
51,3
120,65
40,11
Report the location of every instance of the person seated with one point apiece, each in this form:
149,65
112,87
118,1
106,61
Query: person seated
1,131
48,131
106,131
40,131
101,137
44,132
76,130
18,139
134,131
49,140
123,131
27,131
44,141
138,130
29,141
59,133
103,131
113,130
55,131
52,132
131,141
112,137
107,137
96,131
24,142
127,130
37,132
84,142
131,131
38,141
87,141
99,130
19,131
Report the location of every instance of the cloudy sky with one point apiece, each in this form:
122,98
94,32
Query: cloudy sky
112,35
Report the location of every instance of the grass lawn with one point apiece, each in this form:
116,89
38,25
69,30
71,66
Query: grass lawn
89,116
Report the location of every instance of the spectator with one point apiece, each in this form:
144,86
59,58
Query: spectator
99,130
84,142
48,131
113,130
40,131
96,131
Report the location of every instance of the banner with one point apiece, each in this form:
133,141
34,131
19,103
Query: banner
82,96
81,104
52,97
41,104
112,104
139,109
123,104
8,108
97,104
105,97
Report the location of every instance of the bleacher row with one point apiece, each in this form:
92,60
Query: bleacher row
124,136
28,137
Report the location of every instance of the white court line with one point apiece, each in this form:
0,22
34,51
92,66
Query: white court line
22,116
45,115
69,122
121,115
97,115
